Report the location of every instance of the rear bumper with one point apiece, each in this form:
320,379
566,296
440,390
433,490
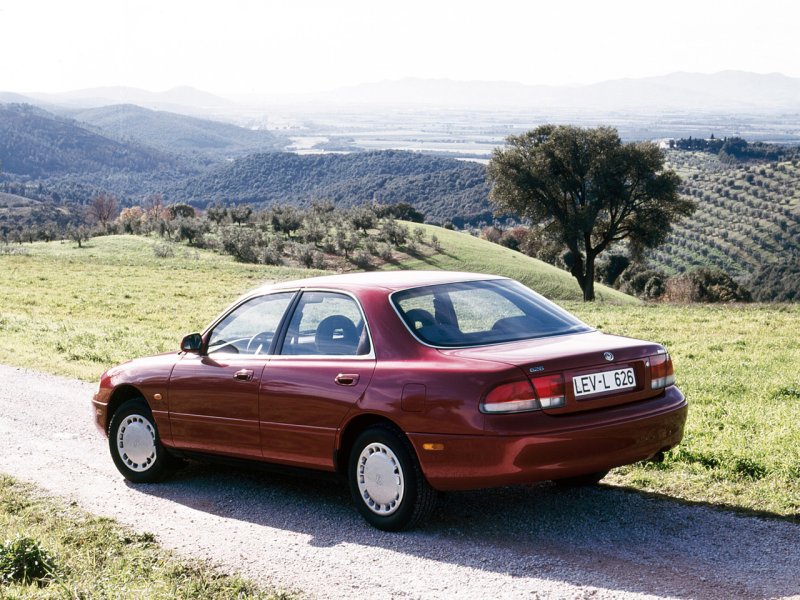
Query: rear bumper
560,446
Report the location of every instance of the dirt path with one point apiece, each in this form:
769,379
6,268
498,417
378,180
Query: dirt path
533,542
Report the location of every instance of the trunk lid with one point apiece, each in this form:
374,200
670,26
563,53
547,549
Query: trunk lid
596,366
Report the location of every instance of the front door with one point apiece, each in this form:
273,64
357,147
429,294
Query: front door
213,397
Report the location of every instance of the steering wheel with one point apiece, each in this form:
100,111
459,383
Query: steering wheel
260,342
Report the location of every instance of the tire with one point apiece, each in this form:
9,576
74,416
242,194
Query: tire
135,445
386,481
581,480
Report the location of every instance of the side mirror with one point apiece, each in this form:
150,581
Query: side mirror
192,343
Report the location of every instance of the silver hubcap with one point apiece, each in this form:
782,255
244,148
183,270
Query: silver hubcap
136,443
380,479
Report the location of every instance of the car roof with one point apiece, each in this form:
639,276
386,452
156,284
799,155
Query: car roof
388,280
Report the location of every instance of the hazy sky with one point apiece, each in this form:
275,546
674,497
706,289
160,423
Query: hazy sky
261,46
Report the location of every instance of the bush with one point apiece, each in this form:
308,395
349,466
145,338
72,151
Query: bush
609,270
362,259
705,285
641,282
305,254
23,560
393,232
163,250
779,282
385,252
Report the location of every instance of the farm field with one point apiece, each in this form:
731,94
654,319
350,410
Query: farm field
75,312
748,215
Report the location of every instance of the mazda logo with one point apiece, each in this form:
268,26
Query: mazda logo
608,356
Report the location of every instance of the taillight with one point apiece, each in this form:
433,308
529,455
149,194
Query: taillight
547,391
515,396
550,390
661,373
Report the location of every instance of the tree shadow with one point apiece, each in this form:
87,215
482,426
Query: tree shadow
529,532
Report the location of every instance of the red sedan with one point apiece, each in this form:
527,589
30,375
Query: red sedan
404,383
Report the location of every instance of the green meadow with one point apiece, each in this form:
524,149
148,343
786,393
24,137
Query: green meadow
75,312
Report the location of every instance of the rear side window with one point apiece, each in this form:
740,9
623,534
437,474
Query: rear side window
477,313
326,324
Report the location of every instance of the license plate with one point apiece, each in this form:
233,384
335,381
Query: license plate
607,381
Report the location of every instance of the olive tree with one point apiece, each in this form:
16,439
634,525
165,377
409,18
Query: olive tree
587,191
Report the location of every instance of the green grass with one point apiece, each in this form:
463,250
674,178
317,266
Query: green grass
93,557
463,252
76,312
738,366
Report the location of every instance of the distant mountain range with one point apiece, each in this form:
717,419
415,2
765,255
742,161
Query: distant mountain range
177,133
727,90
715,92
182,100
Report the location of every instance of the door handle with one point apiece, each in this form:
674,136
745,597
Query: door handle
347,378
243,375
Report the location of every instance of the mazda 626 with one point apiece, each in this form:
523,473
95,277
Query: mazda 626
403,384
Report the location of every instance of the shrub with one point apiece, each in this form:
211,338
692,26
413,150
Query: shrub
393,232
271,255
705,285
385,252
362,260
23,560
492,234
163,250
305,254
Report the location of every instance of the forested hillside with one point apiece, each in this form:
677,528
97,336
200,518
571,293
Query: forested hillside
747,218
177,133
38,144
747,222
443,189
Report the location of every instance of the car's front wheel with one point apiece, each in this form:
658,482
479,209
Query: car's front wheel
134,443
386,481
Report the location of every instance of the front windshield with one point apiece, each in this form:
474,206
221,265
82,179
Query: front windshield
475,313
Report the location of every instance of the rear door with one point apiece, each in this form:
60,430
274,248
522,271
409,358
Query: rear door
316,377
213,398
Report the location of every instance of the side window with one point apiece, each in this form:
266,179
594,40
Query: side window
326,324
250,327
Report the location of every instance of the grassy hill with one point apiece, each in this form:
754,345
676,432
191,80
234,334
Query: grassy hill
76,312
104,297
177,133
748,215
464,252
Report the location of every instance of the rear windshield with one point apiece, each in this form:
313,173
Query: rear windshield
476,313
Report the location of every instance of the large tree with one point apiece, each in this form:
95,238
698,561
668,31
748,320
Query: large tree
587,191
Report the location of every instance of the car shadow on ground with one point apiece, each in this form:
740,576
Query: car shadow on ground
628,541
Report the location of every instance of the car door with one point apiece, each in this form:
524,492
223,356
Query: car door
319,372
213,396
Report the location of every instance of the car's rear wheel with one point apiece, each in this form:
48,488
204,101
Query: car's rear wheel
581,480
386,481
135,445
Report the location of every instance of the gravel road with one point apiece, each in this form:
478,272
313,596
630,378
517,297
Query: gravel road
304,535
